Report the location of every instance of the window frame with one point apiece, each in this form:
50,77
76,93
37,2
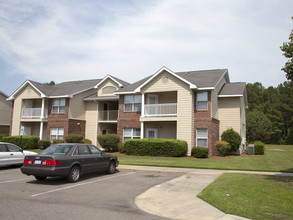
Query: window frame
202,137
133,103
132,136
57,135
59,106
198,100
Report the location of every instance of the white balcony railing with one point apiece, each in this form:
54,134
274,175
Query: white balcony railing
34,113
109,115
160,110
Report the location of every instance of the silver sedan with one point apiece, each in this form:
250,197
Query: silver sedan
11,154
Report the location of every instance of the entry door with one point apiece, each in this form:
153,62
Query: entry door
152,133
153,101
106,109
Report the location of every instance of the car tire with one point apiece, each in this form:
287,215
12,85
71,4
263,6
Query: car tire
74,174
111,167
40,178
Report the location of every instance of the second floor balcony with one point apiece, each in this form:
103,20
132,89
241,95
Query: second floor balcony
160,110
33,113
108,115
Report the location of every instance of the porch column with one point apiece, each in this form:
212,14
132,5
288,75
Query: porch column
141,130
142,105
42,117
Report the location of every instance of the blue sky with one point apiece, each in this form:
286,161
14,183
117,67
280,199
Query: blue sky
87,39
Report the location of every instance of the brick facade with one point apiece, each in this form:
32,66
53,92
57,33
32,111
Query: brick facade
61,120
126,119
203,119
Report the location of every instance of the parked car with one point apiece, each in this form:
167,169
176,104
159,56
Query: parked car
68,160
11,154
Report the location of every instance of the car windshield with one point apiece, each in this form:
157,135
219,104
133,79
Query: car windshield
57,150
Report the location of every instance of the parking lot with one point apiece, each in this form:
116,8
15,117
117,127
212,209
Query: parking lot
95,196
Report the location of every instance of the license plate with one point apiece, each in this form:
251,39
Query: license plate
38,162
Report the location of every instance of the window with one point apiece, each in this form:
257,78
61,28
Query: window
131,133
2,148
82,150
202,137
12,148
132,103
152,133
202,101
94,150
56,133
58,106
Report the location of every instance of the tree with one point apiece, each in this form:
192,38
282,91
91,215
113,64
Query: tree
257,124
51,83
287,48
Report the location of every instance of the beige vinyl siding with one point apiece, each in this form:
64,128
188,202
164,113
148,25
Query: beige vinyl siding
5,110
28,92
229,114
165,82
214,98
105,87
91,114
77,105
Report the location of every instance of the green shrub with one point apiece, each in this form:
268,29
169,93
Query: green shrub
155,147
259,147
109,142
27,142
200,152
233,138
57,141
120,148
223,147
2,136
86,141
44,144
73,138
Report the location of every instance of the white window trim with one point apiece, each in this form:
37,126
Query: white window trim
132,104
58,112
207,101
57,135
131,135
206,138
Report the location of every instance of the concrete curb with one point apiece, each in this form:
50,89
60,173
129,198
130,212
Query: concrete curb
176,199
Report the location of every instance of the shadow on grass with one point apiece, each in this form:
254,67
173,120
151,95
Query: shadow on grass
280,178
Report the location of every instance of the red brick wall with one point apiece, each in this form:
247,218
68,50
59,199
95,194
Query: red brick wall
126,119
203,119
58,120
76,127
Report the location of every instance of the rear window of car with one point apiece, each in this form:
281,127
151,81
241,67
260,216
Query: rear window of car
57,150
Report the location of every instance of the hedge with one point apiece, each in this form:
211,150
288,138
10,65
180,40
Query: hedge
109,142
259,147
27,142
223,147
233,138
200,152
57,141
73,138
44,144
155,147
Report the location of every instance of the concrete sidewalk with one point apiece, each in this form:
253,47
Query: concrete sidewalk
176,199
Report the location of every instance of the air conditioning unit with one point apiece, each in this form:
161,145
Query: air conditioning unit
250,149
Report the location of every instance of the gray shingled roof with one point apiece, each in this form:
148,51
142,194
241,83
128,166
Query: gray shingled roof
65,88
202,79
232,89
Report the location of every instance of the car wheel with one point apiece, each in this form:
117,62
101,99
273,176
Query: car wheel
74,174
111,167
40,178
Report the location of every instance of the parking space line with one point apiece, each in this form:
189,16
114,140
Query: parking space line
80,184
11,181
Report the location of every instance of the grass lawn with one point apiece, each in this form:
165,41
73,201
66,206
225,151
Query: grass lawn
252,196
277,158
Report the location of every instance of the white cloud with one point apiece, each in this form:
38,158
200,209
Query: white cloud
50,40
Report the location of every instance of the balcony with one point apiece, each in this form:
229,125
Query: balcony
160,110
33,113
109,115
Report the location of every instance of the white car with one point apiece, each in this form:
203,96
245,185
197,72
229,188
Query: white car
11,154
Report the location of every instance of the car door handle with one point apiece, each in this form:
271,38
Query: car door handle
11,154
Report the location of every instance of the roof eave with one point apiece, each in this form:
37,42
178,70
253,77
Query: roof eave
12,96
108,77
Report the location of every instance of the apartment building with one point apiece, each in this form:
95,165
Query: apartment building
195,106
